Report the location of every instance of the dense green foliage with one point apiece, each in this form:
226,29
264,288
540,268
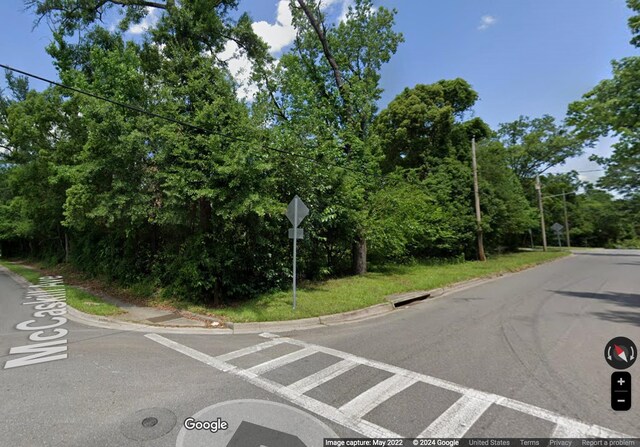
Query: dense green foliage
193,203
613,108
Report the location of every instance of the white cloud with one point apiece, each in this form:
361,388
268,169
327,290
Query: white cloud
147,22
277,35
486,22
280,34
240,68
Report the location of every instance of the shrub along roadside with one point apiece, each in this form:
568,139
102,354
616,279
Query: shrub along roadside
76,298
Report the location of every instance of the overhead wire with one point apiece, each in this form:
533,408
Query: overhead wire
175,121
193,126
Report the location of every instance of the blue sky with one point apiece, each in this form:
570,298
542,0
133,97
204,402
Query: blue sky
524,57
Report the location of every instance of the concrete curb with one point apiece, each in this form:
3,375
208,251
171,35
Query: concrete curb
271,326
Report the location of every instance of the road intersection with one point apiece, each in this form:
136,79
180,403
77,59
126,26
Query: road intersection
520,356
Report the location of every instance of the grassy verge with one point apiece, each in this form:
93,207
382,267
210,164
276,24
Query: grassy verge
314,298
345,294
76,298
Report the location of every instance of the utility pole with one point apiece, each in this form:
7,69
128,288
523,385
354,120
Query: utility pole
566,218
481,255
544,232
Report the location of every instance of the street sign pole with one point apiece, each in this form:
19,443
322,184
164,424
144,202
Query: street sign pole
557,229
296,212
295,248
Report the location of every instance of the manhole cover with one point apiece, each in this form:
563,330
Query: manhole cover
249,423
147,424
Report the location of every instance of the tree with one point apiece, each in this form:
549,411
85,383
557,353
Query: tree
422,131
613,108
323,100
423,125
189,205
507,213
35,134
536,145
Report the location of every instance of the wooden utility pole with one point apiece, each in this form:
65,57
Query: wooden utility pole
566,218
481,255
544,231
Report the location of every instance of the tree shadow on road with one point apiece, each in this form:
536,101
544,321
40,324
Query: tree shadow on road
631,300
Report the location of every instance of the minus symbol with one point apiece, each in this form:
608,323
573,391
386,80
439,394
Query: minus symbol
621,400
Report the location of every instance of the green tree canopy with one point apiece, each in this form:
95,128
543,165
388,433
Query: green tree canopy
613,108
425,124
536,145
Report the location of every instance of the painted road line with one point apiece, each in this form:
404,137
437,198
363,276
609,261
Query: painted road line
471,409
522,407
458,418
250,350
324,375
361,426
566,428
281,361
374,396
588,430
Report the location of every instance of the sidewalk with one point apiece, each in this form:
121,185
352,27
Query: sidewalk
151,319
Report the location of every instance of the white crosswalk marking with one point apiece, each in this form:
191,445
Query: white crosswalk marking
454,422
566,430
281,361
250,350
374,396
324,375
458,418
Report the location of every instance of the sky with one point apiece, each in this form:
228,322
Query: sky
523,57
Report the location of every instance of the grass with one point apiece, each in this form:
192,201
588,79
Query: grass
314,298
76,298
345,294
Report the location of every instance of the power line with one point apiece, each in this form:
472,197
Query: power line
173,120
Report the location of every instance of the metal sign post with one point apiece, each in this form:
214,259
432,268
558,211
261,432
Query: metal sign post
557,228
296,212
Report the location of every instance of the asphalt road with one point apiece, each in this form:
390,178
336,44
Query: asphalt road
521,356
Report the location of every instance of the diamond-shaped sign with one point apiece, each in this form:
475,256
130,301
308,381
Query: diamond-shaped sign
557,227
297,211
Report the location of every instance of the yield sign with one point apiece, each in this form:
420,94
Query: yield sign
297,211
557,227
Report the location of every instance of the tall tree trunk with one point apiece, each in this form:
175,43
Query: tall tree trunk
205,215
66,247
217,292
359,255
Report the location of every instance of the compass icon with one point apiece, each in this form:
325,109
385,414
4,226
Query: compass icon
620,353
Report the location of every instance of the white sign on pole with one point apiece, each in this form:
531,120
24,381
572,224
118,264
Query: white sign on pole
557,227
299,232
296,212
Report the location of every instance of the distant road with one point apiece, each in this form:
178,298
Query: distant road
518,356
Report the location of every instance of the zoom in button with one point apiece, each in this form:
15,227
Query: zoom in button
621,391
